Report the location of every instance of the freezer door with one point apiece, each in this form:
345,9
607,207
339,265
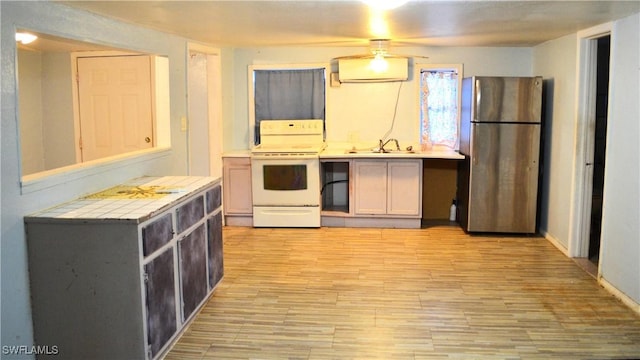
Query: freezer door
503,178
507,99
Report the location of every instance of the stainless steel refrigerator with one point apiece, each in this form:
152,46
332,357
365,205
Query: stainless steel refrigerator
500,138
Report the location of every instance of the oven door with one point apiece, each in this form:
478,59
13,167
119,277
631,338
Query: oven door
285,180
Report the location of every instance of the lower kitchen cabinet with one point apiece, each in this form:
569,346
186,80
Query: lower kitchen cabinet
388,187
377,193
117,277
238,202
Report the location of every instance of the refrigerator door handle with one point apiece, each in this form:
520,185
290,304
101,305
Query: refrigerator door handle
478,99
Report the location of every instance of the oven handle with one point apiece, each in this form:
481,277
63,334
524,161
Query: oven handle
283,156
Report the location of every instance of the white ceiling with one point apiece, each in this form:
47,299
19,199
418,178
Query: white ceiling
348,23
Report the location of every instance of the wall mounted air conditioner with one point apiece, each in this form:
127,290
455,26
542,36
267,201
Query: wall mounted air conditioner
365,70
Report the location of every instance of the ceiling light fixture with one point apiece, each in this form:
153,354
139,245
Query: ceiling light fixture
25,38
379,64
379,48
385,4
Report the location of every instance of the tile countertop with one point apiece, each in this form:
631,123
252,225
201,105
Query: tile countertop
135,200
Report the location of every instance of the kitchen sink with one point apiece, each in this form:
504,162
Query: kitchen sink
381,153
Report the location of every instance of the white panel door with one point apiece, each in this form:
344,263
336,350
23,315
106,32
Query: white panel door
115,105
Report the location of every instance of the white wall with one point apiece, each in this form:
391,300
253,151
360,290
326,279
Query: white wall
48,17
30,102
365,111
559,74
57,104
620,239
46,111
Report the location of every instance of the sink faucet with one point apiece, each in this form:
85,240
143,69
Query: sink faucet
382,145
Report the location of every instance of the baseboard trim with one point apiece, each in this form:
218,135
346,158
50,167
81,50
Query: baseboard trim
620,295
632,304
238,220
560,246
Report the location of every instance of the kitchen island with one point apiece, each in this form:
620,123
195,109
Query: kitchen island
118,274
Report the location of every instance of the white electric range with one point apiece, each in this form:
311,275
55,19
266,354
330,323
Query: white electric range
285,171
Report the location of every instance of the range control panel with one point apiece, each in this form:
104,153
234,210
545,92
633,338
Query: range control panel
291,127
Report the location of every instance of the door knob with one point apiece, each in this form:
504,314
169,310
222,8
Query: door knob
147,139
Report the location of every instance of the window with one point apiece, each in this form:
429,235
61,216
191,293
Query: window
439,88
285,92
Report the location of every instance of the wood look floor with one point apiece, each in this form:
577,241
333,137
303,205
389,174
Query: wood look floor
433,293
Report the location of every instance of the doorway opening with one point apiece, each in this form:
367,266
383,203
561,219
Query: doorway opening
593,97
599,144
204,122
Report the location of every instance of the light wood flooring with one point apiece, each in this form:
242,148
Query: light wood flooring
433,293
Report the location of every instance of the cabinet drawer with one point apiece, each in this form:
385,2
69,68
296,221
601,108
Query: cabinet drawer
156,234
189,213
214,199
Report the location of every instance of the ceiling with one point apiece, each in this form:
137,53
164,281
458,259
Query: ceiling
352,23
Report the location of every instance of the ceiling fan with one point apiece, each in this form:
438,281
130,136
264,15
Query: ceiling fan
378,50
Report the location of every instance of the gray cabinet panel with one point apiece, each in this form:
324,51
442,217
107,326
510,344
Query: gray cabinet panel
216,264
160,301
193,269
156,234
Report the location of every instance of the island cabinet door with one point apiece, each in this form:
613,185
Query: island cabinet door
216,265
160,301
193,270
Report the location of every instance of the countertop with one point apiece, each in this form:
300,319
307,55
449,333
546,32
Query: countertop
135,200
342,151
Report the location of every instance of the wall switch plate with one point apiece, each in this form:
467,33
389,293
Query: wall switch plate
183,124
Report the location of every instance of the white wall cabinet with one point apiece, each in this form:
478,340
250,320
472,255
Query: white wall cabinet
388,187
119,277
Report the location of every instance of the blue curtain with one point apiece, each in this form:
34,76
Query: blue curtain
288,94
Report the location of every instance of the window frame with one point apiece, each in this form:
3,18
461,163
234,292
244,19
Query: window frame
418,69
326,67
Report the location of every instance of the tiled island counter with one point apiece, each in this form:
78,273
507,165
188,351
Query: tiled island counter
119,273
